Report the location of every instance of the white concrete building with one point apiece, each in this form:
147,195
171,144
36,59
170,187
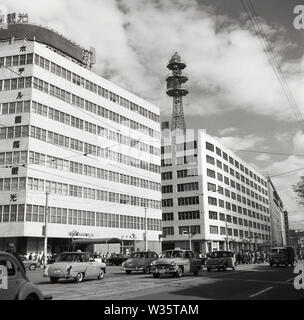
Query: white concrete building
276,216
92,145
211,196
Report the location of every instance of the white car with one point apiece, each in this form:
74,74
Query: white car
76,265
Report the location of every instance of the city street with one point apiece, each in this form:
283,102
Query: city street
247,282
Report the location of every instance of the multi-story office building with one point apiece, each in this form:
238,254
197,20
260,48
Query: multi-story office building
211,199
66,131
286,225
276,216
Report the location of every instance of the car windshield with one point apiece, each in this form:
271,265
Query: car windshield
279,250
137,255
68,257
173,254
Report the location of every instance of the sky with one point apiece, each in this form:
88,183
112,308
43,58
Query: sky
233,91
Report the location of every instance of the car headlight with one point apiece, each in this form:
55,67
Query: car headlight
173,263
152,263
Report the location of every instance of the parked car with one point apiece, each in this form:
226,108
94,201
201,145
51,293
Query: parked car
176,262
282,256
116,259
220,260
139,261
76,265
30,264
17,287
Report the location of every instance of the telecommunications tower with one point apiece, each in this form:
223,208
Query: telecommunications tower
175,90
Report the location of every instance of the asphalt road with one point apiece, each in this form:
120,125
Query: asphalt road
246,282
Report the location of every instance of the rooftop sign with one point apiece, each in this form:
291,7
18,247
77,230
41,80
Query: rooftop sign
11,18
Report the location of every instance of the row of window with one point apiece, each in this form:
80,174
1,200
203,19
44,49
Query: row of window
35,213
179,147
15,107
180,174
72,77
78,123
231,206
169,231
219,152
28,82
183,215
223,231
213,215
189,159
18,60
182,201
233,173
229,182
14,184
195,229
73,144
79,168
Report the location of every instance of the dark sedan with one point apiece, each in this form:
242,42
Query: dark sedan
139,261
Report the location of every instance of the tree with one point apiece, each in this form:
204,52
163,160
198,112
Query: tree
298,188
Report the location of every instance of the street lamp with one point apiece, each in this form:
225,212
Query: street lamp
46,215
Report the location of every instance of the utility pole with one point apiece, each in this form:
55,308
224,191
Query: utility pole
190,244
146,240
227,241
46,216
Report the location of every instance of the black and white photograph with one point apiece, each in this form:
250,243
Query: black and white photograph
152,153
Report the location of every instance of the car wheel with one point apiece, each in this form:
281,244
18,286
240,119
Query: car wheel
79,277
270,264
32,267
224,267
147,270
32,297
179,272
208,269
128,271
100,275
156,275
53,280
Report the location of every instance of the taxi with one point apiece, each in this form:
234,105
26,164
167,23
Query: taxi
220,260
77,266
176,262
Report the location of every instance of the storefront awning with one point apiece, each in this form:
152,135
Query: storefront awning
96,241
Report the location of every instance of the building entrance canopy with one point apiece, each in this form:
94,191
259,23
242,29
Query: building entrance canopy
96,241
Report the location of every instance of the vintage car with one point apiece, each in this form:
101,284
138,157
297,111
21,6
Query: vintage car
14,284
282,256
220,260
30,264
139,261
176,262
75,265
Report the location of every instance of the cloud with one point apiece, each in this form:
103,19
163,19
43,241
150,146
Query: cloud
263,157
227,67
298,142
240,143
227,131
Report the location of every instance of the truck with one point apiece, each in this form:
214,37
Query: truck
283,255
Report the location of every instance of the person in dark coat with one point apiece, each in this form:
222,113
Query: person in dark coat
11,249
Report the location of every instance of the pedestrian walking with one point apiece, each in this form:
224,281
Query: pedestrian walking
11,249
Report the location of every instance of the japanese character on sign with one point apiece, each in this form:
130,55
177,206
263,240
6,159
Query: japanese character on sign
13,197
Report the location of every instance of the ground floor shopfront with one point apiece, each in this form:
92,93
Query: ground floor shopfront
26,245
206,246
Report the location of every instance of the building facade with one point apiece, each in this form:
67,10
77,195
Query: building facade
276,216
211,199
286,225
66,131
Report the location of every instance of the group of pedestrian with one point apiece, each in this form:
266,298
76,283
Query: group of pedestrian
248,257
